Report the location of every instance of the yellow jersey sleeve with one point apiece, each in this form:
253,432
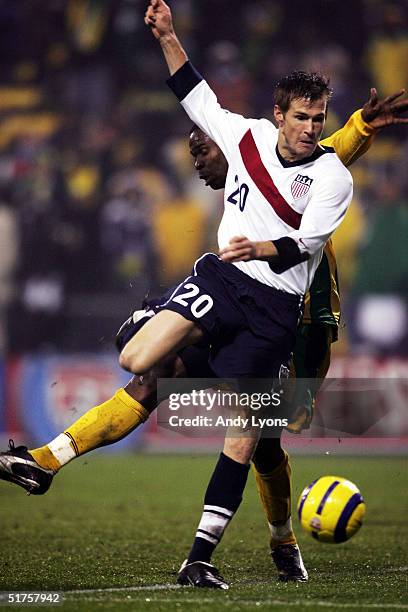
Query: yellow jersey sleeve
352,140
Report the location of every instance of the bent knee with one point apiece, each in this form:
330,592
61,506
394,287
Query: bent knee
135,361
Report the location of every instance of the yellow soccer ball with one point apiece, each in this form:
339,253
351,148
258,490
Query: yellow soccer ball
331,509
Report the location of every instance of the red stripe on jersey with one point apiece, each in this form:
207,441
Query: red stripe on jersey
262,179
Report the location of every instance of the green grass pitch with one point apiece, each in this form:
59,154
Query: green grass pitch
112,526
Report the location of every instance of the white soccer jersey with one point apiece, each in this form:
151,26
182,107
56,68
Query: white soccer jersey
265,197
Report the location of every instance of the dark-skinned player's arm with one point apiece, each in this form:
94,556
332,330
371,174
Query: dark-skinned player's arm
356,136
158,17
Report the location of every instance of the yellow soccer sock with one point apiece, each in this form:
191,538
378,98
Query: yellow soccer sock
100,426
275,492
44,457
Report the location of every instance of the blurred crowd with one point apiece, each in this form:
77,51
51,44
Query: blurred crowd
99,202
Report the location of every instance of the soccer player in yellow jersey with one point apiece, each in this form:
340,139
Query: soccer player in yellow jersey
131,406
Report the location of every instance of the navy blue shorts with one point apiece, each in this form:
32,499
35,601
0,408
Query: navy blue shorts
249,328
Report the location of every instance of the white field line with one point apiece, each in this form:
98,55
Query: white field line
230,602
130,589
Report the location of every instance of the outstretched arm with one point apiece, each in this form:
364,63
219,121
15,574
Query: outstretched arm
158,17
193,92
356,136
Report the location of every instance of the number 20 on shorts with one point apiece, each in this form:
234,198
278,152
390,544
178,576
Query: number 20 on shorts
200,305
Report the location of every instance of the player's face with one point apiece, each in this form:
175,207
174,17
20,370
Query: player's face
209,160
300,128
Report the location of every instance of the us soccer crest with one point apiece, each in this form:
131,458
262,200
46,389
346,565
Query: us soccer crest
300,186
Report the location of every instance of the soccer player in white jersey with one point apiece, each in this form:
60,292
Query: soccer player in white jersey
284,196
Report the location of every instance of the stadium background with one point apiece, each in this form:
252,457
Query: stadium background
99,202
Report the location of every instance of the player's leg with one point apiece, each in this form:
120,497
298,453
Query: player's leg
246,353
114,419
125,411
165,333
310,364
108,422
271,464
103,424
224,493
310,361
222,499
100,426
273,479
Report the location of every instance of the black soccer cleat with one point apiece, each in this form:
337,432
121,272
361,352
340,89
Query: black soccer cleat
201,574
18,466
289,562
